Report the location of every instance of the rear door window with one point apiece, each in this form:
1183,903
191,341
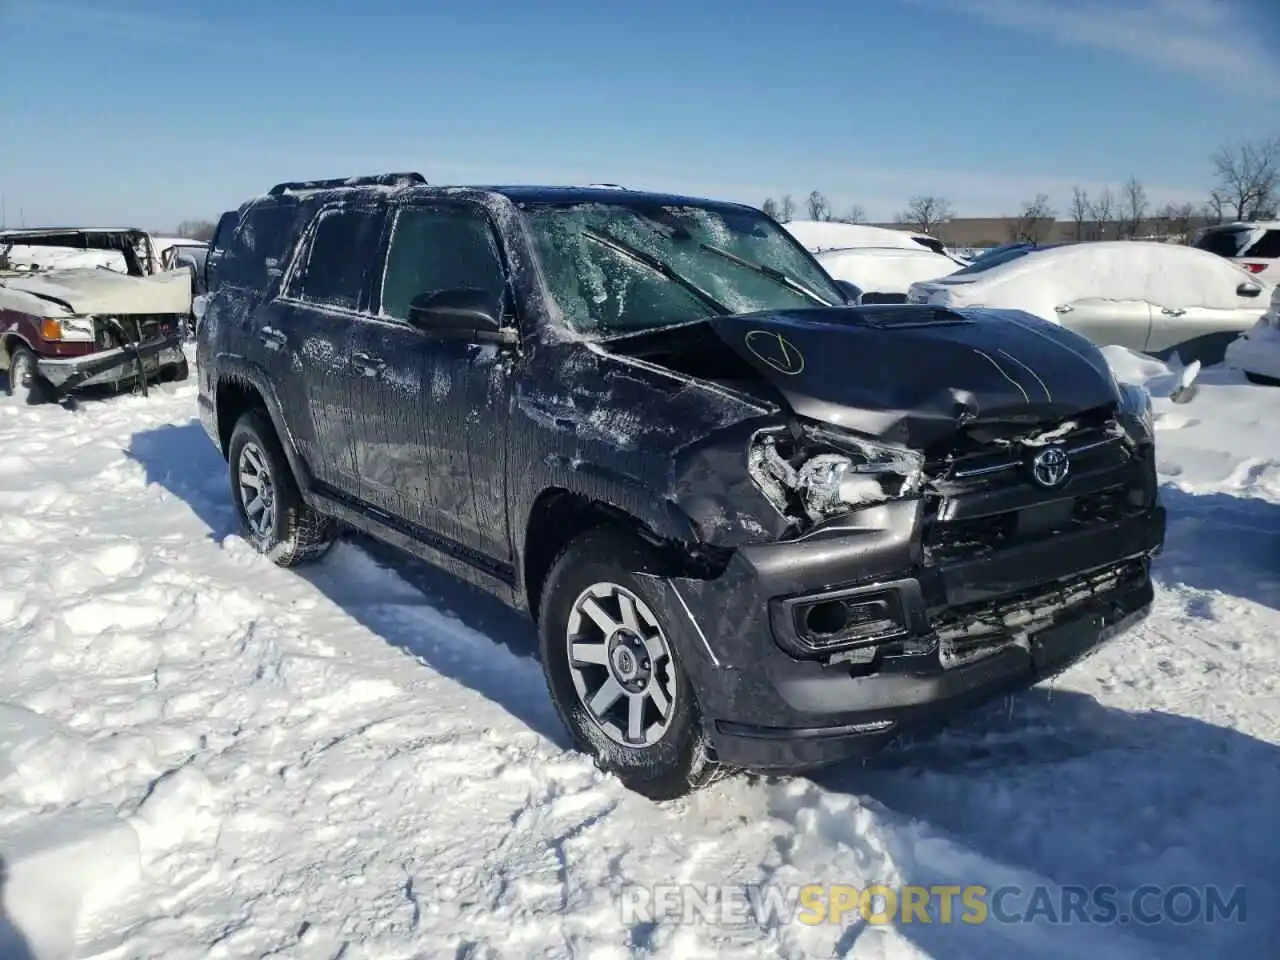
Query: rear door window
334,268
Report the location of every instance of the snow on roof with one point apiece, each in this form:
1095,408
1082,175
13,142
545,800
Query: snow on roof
886,269
818,236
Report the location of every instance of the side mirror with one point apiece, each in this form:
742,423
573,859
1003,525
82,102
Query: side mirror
1248,289
463,313
851,291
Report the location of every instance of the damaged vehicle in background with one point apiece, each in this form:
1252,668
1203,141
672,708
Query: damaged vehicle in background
65,328
758,527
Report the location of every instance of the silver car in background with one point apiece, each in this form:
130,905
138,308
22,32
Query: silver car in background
1155,298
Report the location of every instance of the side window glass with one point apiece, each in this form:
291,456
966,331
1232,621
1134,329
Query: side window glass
1267,247
334,270
439,250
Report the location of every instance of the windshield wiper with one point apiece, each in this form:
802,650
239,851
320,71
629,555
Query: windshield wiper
772,273
657,266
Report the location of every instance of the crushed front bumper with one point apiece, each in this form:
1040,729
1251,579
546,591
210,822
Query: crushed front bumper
111,367
769,709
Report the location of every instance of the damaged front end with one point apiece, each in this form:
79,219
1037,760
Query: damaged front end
813,475
120,349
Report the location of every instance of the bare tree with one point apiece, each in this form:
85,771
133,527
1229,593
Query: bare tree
770,208
1214,210
819,206
788,208
926,213
1248,177
1080,211
1133,207
1178,218
1034,222
197,230
856,214
1104,211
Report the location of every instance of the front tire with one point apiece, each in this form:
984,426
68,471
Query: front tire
273,516
614,670
25,379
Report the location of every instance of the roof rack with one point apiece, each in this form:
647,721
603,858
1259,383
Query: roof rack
374,180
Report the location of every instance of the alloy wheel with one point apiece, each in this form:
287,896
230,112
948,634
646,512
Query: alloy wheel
257,490
621,666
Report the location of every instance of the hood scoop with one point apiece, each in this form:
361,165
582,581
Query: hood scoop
909,317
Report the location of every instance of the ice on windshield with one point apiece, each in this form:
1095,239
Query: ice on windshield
601,290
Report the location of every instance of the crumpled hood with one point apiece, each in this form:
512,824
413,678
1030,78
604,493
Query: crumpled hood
59,293
915,374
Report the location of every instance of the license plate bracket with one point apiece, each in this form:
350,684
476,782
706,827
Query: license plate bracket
1059,645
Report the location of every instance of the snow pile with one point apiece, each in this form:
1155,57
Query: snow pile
203,755
886,270
819,235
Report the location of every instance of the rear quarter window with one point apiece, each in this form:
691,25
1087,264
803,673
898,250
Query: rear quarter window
258,248
1225,242
1266,248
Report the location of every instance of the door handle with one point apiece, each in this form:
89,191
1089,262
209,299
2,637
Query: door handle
1172,311
273,338
1063,308
369,366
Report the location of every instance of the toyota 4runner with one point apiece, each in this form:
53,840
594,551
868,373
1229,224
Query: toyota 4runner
758,526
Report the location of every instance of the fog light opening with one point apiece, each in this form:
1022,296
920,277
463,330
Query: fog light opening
827,618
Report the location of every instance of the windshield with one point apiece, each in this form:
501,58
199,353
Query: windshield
625,267
993,260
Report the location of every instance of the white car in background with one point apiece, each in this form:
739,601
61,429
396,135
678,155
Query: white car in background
885,274
1257,351
1254,246
821,236
1156,298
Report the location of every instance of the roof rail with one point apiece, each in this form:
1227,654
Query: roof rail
375,180
607,186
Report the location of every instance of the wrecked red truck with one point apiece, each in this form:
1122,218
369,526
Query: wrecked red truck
66,324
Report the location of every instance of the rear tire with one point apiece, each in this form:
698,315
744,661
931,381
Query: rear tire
273,516
25,379
624,658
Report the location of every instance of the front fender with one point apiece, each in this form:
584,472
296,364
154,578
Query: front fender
628,495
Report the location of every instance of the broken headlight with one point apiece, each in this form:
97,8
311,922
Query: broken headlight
1135,406
820,474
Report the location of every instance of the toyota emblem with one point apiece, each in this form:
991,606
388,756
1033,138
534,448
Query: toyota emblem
1051,467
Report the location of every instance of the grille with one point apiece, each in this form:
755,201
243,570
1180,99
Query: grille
979,536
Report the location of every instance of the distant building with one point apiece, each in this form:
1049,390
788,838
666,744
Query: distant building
993,231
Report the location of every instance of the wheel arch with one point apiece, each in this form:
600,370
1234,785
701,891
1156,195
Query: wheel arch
559,514
240,388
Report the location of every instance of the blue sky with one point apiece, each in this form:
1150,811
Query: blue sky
146,112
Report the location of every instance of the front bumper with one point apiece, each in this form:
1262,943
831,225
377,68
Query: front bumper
112,367
768,709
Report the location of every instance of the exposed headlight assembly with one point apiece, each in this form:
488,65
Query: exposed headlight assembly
1135,404
822,473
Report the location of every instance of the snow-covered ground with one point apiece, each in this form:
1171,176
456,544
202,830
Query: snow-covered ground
203,755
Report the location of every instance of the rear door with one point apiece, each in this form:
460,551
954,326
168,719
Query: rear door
1209,304
310,329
